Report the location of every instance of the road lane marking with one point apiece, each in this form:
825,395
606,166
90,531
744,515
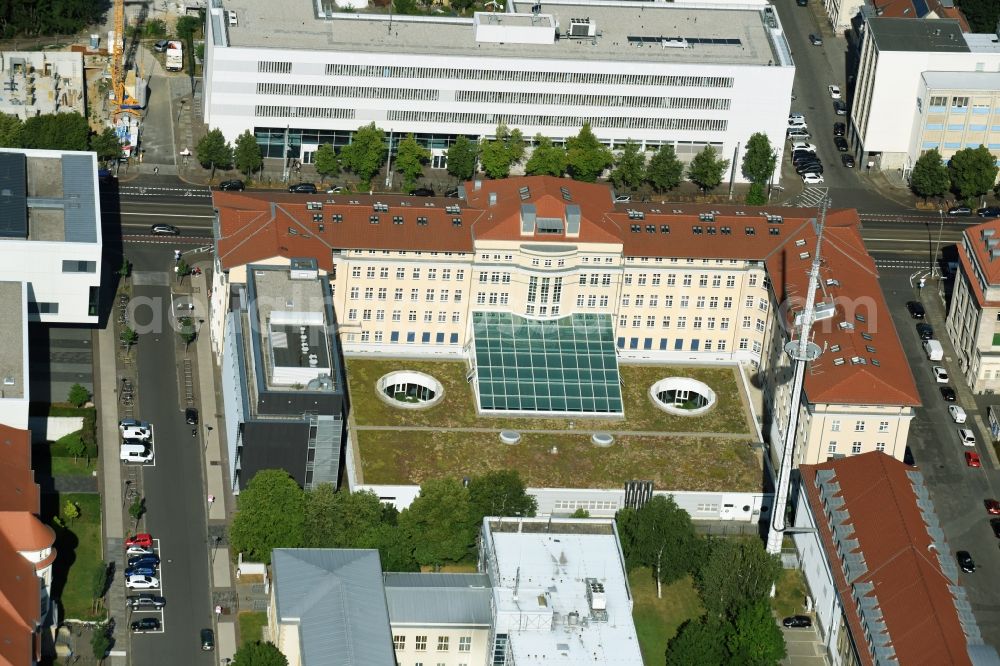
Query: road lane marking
113,212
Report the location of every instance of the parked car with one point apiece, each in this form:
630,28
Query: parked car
145,582
798,621
967,437
336,189
995,524
957,414
142,539
992,507
940,374
136,432
839,107
207,639
145,624
989,211
138,550
302,188
916,310
965,561
428,192
972,460
812,167
191,416
160,46
232,186
802,3
795,117
164,230
847,161
812,178
925,331
798,134
804,146
948,393
145,601
834,91
839,129
800,156
960,210
143,570
815,40
841,144
151,560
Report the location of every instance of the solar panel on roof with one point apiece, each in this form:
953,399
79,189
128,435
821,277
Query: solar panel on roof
920,6
13,195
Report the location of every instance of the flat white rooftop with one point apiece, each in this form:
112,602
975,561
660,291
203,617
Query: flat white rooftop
561,592
624,31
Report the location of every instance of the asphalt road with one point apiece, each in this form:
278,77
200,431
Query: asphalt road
173,487
131,208
957,490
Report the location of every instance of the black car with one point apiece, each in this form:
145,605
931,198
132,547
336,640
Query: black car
847,161
816,40
207,639
232,186
960,210
798,621
965,561
841,144
145,624
802,3
809,167
164,230
144,560
191,416
839,107
422,192
989,211
302,188
801,159
948,393
995,524
839,129
925,331
452,193
145,602
916,310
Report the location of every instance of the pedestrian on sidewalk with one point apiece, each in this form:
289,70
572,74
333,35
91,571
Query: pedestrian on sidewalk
211,500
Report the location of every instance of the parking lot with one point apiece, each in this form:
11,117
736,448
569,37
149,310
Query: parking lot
137,614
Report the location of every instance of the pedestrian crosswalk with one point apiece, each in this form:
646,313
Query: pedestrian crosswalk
142,190
901,263
810,197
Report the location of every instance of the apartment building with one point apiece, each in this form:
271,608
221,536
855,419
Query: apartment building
866,532
842,13
973,322
922,85
688,75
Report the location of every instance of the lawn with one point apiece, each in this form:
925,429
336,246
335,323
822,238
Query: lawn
79,552
657,620
70,467
457,407
252,625
691,463
789,593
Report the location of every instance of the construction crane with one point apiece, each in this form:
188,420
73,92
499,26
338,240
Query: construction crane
123,103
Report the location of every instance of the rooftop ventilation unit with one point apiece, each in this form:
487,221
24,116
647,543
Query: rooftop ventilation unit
453,210
803,255
831,282
565,194
524,193
846,326
595,595
581,28
707,217
380,207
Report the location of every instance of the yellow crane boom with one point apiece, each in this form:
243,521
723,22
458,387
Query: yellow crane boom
124,103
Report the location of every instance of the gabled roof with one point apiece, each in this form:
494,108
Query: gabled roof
439,598
901,575
920,9
20,606
25,532
18,490
336,598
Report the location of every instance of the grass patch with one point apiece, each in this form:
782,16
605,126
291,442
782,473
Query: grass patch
457,407
252,625
70,467
789,593
692,463
657,620
78,545
58,409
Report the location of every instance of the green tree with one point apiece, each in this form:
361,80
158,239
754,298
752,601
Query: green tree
125,269
78,395
246,153
342,519
735,573
136,509
70,510
630,167
187,330
187,26
259,653
76,448
395,549
707,169
546,159
697,643
462,157
213,151
503,152
973,171
499,493
759,159
664,171
155,28
56,131
271,515
580,513
755,639
410,160
756,195
99,583
930,177
106,144
11,129
326,161
100,641
405,7
660,535
129,337
982,15
438,523
586,157
365,154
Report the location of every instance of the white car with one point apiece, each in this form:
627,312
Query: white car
136,432
803,145
142,583
940,374
134,550
834,91
967,437
795,115
812,178
798,134
957,413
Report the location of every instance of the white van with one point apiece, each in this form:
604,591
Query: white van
137,432
934,350
136,453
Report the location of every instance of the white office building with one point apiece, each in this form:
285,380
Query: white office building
689,75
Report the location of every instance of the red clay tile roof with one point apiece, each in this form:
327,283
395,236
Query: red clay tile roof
253,229
908,9
18,490
912,591
975,239
20,606
25,532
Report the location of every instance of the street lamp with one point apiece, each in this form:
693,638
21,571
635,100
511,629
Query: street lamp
180,110
937,245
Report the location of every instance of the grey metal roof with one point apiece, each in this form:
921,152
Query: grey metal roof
430,598
13,195
962,80
79,197
907,34
336,597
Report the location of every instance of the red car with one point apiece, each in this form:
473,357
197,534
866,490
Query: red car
992,507
144,540
972,459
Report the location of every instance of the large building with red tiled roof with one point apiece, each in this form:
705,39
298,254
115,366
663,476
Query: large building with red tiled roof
558,259
884,583
842,12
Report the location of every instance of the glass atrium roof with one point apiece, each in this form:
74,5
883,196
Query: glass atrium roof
557,365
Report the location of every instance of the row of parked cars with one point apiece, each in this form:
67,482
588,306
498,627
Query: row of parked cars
137,441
